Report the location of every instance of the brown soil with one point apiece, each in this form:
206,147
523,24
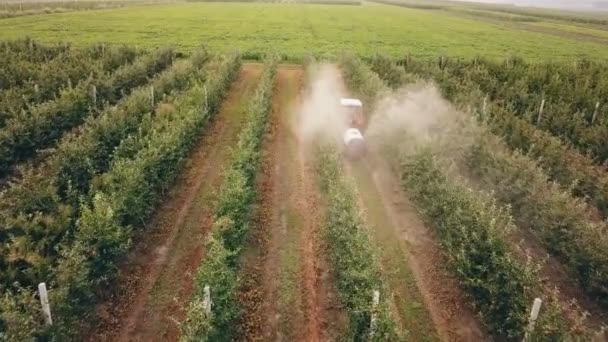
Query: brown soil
571,298
396,218
453,317
555,275
286,294
156,280
411,259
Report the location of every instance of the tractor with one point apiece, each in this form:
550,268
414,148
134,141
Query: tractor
354,143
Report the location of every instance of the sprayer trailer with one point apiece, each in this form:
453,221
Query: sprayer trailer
354,144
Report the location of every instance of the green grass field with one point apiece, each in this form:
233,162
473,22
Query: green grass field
574,28
296,30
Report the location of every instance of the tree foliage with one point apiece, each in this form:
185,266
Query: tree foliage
232,220
47,78
351,254
473,231
90,223
43,124
571,92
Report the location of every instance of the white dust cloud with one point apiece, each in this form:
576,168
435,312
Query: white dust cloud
417,115
417,110
413,116
320,115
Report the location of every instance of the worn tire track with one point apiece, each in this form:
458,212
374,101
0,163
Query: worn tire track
156,279
426,300
286,292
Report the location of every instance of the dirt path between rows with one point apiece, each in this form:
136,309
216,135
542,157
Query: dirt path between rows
554,275
156,281
287,293
426,299
453,318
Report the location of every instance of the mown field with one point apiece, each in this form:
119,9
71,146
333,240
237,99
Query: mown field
296,30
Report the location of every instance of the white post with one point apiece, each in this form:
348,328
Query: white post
207,300
206,98
94,95
374,318
69,83
44,301
36,89
597,107
485,105
533,317
540,111
152,96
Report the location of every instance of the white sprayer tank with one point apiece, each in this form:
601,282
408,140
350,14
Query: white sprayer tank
354,144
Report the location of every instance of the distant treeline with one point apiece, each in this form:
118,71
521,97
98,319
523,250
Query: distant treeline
497,15
17,9
321,2
555,15
411,4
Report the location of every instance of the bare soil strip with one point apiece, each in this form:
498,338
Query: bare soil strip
555,276
428,300
156,281
286,294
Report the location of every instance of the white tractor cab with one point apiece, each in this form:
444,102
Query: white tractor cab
354,112
354,144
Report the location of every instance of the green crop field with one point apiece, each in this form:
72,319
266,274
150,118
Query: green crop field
574,28
296,30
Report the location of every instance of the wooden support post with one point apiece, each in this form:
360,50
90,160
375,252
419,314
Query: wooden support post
597,107
207,303
206,97
533,317
94,95
374,318
540,111
485,105
44,301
